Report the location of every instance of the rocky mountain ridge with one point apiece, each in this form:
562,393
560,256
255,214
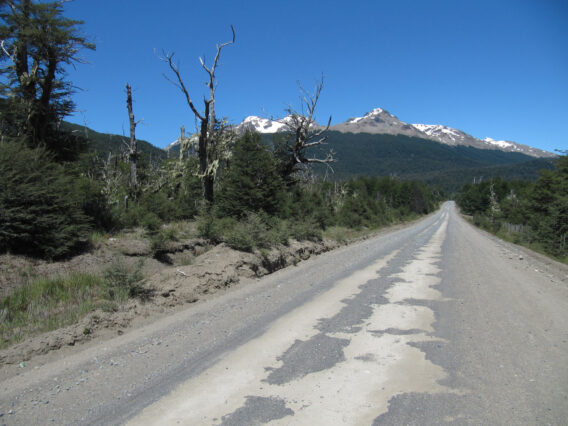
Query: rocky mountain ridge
380,121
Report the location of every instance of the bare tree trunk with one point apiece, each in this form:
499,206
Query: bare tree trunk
133,153
303,135
207,119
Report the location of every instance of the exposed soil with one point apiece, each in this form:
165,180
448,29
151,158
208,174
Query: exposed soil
186,272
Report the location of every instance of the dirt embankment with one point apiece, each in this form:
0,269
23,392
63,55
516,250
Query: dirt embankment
187,272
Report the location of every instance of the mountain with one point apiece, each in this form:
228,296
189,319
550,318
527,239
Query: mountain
378,121
447,166
262,125
438,155
381,122
105,143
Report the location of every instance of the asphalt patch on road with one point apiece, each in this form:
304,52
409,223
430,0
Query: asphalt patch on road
319,353
257,411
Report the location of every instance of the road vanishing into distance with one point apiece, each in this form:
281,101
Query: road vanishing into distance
435,323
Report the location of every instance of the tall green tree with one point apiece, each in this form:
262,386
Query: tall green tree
37,43
252,182
548,208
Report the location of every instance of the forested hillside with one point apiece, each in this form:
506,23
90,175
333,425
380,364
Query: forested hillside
107,143
447,167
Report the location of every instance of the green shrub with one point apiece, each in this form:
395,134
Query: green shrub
151,222
239,238
213,228
124,281
308,230
40,205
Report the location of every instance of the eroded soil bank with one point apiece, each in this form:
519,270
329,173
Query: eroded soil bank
187,272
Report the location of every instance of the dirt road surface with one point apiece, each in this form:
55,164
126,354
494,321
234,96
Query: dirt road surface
437,323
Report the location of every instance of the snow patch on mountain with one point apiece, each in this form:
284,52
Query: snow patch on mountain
500,144
374,113
437,130
262,125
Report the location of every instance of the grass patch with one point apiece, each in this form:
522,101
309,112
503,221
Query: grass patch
45,304
97,239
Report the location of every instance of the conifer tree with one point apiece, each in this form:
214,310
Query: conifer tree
37,42
252,182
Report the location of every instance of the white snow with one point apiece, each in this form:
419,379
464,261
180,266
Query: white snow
264,125
500,144
354,120
376,111
435,130
373,113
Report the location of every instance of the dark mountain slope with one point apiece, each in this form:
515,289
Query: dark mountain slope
104,142
409,157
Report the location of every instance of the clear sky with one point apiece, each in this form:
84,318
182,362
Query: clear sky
494,68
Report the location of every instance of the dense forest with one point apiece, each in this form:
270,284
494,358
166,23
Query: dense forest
530,213
60,185
445,167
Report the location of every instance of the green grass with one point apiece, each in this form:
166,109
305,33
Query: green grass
45,304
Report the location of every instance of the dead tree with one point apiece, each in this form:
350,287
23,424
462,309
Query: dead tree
133,147
302,134
208,127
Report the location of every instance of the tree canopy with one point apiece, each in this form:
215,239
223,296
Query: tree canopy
37,42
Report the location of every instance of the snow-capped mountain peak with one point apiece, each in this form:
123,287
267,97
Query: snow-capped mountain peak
266,125
376,121
262,125
380,121
370,115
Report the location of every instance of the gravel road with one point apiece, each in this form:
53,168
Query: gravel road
437,323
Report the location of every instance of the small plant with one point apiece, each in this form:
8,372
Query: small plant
96,239
186,259
337,233
239,238
123,281
151,222
307,230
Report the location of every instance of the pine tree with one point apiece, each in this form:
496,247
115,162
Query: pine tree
252,183
37,44
40,206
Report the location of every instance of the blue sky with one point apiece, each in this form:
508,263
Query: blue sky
494,69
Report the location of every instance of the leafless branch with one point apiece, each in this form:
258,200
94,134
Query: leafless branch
169,59
211,71
6,51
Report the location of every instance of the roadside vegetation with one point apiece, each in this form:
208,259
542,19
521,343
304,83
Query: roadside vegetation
62,197
534,214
